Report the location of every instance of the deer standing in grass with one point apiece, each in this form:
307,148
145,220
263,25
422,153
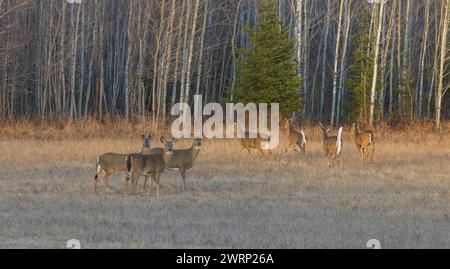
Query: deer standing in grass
113,163
183,159
364,141
295,137
153,151
258,143
332,145
149,166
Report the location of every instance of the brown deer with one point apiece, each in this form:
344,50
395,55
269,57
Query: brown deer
113,163
260,144
295,137
182,159
147,165
332,145
148,151
364,141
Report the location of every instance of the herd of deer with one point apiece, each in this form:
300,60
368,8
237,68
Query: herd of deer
152,162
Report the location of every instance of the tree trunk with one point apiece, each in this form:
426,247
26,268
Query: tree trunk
343,72
73,109
127,62
191,51
324,60
202,47
336,61
177,61
82,63
375,67
233,46
443,58
422,58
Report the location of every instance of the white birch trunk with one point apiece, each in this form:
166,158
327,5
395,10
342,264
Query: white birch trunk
375,67
336,61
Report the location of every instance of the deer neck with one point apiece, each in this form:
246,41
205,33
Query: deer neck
167,156
194,152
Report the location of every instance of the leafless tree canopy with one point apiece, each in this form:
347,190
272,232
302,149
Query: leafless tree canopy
136,58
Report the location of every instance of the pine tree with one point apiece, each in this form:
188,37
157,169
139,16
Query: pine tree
266,72
360,74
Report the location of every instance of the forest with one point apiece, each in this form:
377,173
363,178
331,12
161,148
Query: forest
372,61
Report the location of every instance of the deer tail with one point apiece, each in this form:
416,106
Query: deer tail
304,139
98,168
129,160
339,141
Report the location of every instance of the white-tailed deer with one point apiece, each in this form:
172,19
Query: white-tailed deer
149,166
295,137
332,145
183,159
112,163
364,141
260,144
150,151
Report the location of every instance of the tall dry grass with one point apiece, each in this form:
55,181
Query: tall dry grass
120,128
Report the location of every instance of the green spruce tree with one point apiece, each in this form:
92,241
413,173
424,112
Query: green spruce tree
266,72
360,74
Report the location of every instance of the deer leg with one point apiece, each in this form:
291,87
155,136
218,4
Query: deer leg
152,178
106,180
95,183
127,179
134,181
373,152
335,160
183,175
327,157
361,153
262,152
145,183
298,147
151,185
158,187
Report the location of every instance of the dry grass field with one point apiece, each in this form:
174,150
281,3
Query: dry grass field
232,200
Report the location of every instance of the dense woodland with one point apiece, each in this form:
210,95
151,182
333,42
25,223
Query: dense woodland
358,60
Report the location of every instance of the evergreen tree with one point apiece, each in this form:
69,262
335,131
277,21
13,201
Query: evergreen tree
361,73
266,72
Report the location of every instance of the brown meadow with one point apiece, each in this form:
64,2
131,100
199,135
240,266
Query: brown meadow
233,200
